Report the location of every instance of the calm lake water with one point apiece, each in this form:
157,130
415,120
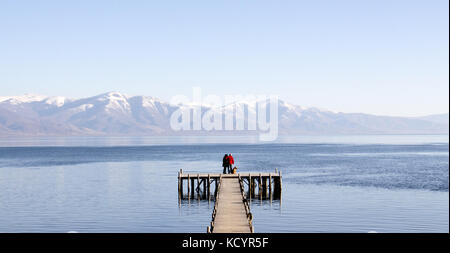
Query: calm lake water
330,184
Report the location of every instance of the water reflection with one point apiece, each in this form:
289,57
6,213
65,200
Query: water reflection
202,196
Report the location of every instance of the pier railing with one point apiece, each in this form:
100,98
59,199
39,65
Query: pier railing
246,205
199,185
210,228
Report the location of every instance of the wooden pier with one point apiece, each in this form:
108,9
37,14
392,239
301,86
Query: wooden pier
231,212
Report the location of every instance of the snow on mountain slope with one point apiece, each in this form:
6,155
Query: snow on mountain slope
114,113
57,101
27,98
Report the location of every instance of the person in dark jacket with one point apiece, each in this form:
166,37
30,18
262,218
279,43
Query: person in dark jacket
225,164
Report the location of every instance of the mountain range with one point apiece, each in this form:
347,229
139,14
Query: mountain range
115,114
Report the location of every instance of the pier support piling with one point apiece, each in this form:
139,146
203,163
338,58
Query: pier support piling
188,185
209,185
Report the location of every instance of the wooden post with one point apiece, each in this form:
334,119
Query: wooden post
181,183
179,179
270,184
180,190
192,186
198,186
188,184
260,185
209,185
204,187
254,185
276,184
279,174
198,183
215,189
264,186
250,186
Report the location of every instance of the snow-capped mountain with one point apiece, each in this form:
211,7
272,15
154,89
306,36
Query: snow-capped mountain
114,113
27,98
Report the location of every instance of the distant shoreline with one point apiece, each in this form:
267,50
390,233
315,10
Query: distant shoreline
224,140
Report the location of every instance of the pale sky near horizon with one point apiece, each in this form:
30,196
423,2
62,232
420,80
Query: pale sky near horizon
385,57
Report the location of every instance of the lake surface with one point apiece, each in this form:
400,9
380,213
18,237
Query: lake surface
330,183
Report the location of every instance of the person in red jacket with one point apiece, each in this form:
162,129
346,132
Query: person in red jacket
230,163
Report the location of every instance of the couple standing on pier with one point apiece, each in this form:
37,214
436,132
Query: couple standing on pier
227,164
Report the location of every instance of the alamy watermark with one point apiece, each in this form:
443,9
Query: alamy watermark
226,113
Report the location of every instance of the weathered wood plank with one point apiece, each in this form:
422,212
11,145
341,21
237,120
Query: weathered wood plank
231,215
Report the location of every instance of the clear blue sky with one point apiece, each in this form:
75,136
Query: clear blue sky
382,57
